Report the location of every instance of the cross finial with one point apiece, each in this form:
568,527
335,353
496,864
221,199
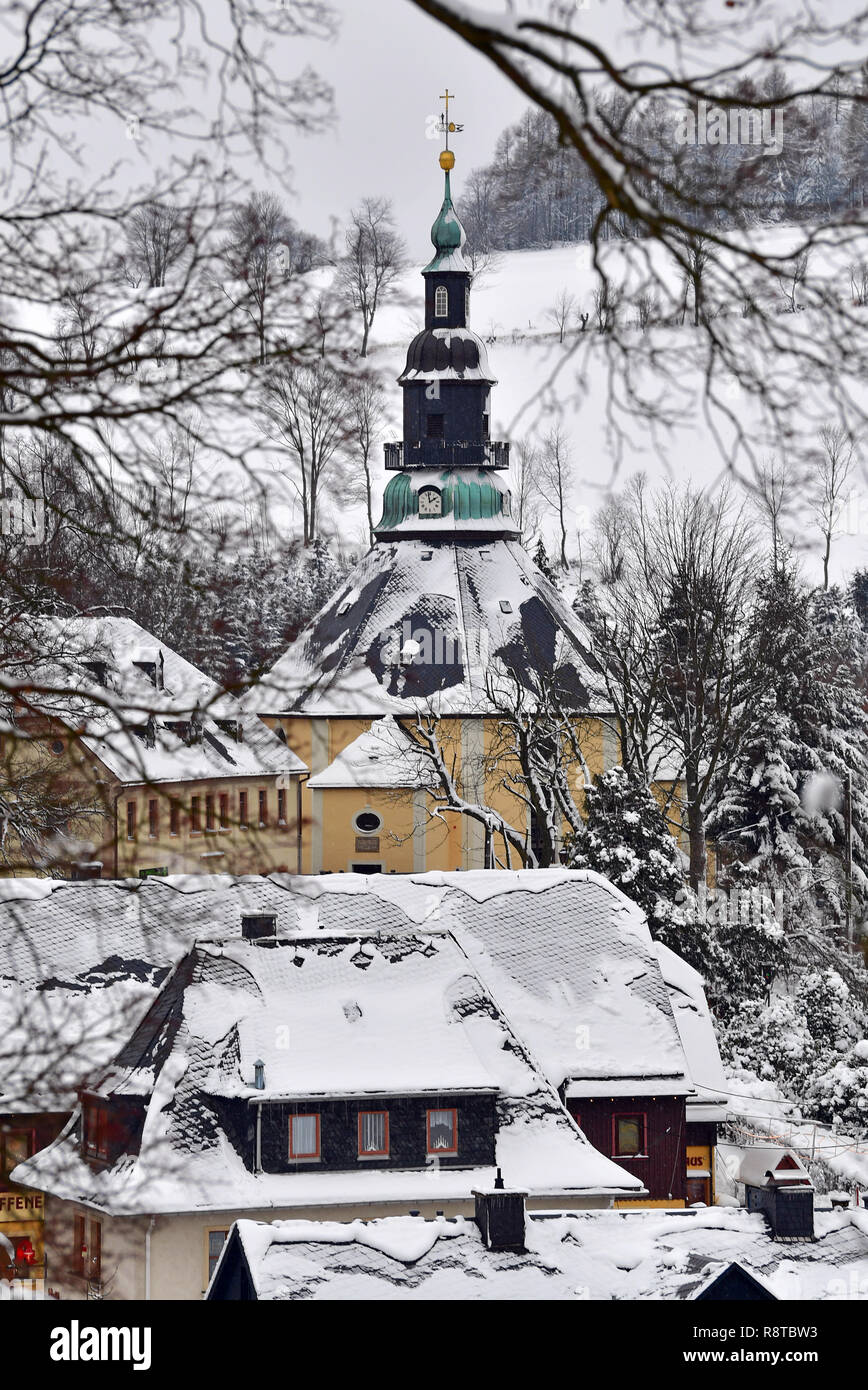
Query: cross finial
447,159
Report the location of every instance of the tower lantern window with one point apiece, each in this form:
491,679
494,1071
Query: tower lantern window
441,302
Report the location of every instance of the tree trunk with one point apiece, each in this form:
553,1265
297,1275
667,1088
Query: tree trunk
696,834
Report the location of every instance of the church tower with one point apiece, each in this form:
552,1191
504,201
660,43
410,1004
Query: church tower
451,475
446,616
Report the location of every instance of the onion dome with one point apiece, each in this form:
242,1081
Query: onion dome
453,353
448,237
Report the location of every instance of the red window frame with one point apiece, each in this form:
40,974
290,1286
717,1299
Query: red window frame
224,811
87,1248
214,1256
307,1115
96,1124
153,819
195,815
95,1250
174,816
375,1153
131,820
436,1110
210,823
242,810
630,1115
263,808
29,1135
79,1242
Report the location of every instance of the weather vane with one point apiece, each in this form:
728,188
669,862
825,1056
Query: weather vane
447,158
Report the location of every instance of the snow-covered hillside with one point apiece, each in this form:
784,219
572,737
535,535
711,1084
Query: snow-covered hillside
541,380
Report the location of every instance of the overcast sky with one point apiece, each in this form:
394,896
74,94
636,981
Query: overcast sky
388,66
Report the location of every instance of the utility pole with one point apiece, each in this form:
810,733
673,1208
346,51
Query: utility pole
848,854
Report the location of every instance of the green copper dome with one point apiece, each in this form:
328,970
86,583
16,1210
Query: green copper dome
466,496
448,236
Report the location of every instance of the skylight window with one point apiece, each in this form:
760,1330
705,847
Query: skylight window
505,605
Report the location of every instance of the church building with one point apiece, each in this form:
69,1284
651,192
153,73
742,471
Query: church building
446,616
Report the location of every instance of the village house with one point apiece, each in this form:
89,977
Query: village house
152,768
338,1074
558,962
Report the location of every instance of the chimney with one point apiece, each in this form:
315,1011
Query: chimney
500,1216
259,1075
260,927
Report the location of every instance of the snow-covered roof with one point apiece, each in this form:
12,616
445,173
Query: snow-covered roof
366,1015
764,1165
79,965
380,757
579,975
593,1255
475,612
447,354
695,1026
132,700
566,956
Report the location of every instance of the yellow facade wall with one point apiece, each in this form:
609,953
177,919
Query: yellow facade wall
450,841
73,776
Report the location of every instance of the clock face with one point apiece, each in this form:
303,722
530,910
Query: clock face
430,503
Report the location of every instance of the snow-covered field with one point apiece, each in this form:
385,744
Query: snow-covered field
542,381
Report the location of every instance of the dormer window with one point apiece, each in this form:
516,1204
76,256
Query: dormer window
430,502
441,302
95,1135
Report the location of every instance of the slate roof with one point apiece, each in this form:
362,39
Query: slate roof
589,997
138,728
696,1029
475,610
566,956
367,1015
588,1255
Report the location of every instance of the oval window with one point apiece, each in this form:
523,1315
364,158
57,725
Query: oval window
367,822
57,746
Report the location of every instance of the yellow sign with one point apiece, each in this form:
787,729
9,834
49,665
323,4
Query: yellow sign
22,1206
698,1158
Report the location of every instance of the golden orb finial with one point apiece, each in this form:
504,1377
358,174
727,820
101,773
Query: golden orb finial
447,158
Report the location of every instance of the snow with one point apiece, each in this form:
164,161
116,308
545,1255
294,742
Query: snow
599,1255
765,1111
379,757
105,716
696,1029
761,1159
541,379
593,1007
355,1001
449,599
